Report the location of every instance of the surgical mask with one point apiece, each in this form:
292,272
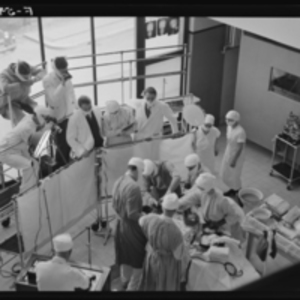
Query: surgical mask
230,122
206,128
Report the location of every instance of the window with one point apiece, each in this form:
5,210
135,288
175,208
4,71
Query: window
285,84
157,36
114,35
71,37
166,86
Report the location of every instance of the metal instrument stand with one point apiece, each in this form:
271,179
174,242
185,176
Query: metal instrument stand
102,222
285,169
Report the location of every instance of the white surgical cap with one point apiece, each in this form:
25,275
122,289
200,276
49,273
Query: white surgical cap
136,162
206,181
233,115
170,202
191,160
63,243
149,167
112,106
209,119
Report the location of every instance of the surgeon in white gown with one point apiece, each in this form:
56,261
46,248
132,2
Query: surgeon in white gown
215,211
234,157
205,143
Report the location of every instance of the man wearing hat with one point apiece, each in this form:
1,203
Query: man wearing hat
215,211
60,97
57,275
205,142
167,257
195,168
84,131
16,82
234,157
118,123
130,241
160,178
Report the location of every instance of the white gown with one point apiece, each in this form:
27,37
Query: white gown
232,176
205,147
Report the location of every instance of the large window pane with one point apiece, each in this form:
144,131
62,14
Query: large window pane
163,40
113,35
71,37
166,86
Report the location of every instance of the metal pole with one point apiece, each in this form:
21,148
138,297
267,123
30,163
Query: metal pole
184,69
2,178
130,76
49,221
93,44
18,231
141,49
164,86
89,245
122,76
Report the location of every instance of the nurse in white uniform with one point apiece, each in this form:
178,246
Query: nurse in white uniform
234,157
205,143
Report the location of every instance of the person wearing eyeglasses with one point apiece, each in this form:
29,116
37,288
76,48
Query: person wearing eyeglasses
118,123
205,143
195,168
234,157
16,82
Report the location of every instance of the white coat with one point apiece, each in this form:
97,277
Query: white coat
205,147
58,275
152,126
14,151
61,98
79,135
232,176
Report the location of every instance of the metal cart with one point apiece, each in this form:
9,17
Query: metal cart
284,168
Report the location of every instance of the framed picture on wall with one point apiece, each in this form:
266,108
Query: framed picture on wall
150,30
174,25
162,26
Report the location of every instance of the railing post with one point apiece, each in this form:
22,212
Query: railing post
184,68
164,88
130,76
2,178
122,76
94,59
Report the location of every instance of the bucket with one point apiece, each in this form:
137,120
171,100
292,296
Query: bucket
251,198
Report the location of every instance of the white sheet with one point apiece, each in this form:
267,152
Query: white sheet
73,192
204,276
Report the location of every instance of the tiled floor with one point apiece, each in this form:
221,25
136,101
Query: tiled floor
255,174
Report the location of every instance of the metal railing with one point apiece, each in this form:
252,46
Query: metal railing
184,72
